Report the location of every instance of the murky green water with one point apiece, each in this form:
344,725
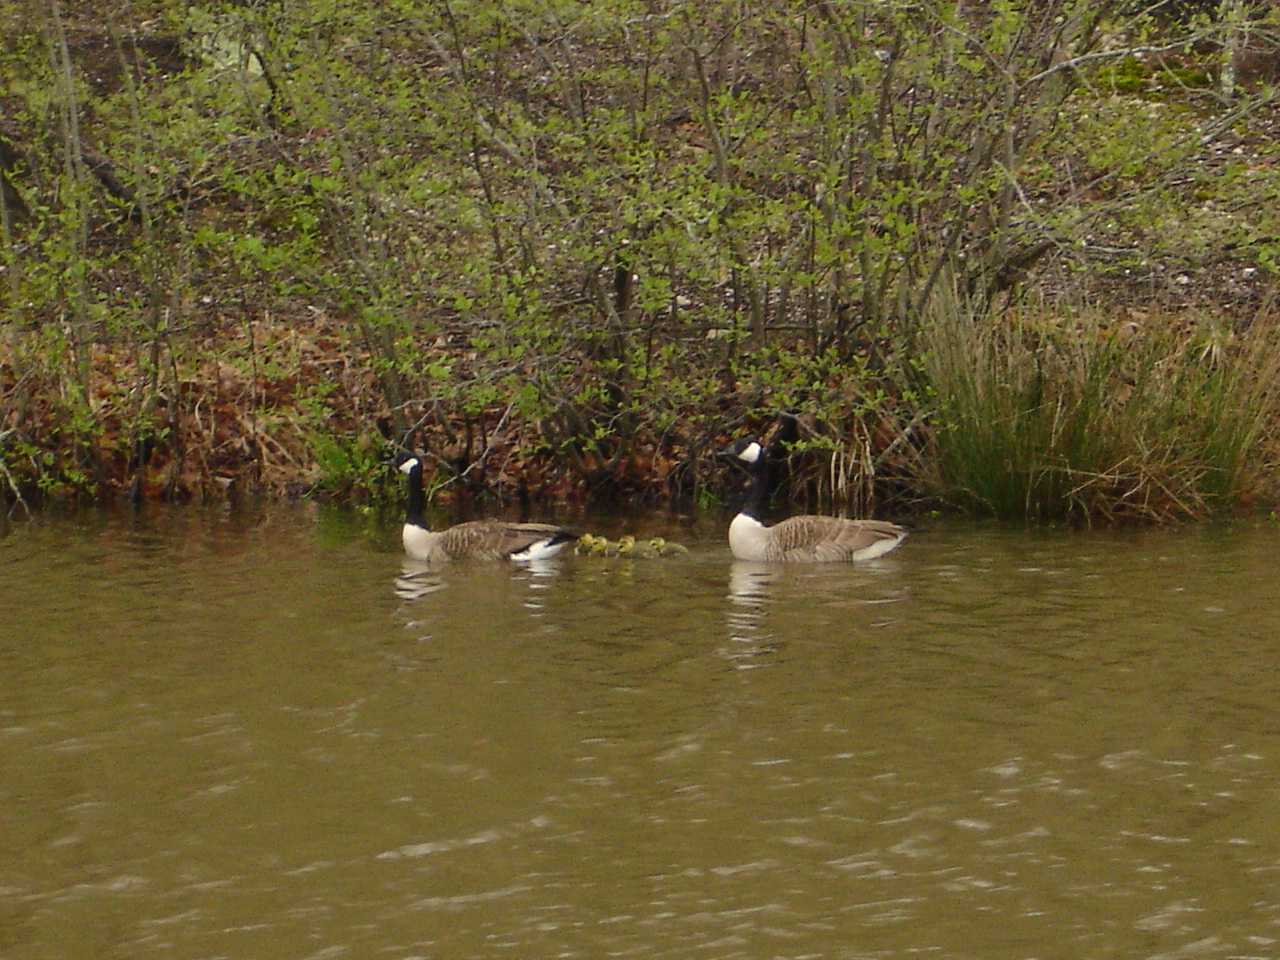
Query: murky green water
232,738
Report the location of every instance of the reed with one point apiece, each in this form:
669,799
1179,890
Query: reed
1056,415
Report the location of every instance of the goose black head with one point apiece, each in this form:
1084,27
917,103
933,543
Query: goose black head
744,453
404,462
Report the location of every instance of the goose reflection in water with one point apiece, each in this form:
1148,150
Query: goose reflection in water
417,579
750,583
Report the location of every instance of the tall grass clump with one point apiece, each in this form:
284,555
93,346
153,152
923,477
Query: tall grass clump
1066,415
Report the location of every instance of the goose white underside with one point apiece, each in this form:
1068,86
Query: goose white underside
539,550
877,549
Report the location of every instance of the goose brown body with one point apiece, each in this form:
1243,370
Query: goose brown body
486,540
801,539
813,539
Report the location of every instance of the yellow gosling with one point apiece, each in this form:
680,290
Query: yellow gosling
665,549
629,546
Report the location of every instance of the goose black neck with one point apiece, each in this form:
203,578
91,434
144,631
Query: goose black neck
417,500
760,490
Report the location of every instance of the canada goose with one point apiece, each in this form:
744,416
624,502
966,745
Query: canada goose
476,539
804,538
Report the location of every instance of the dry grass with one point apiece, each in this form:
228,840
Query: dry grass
1055,414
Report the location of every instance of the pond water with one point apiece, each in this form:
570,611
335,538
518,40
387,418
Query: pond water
266,736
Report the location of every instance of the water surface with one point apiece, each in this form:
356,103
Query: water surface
268,736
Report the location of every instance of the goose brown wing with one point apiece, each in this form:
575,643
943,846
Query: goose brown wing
831,539
492,540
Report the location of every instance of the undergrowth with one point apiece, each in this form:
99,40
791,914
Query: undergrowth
1074,414
571,249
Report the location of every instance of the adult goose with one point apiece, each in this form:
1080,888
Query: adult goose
476,539
803,539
